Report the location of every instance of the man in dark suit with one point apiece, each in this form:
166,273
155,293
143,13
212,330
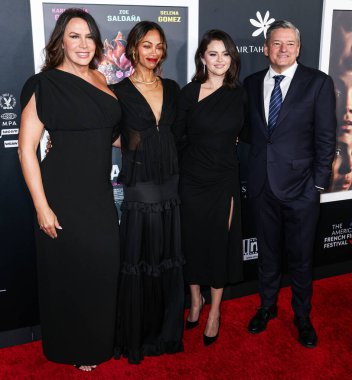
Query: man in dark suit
292,127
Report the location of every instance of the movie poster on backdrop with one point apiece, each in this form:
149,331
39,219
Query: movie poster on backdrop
178,18
336,60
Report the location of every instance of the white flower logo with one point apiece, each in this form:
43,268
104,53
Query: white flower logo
261,24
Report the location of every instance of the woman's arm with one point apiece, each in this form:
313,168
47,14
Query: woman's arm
29,138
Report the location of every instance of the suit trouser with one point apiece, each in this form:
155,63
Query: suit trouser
286,227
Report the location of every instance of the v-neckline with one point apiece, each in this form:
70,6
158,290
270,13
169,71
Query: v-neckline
157,122
88,83
206,97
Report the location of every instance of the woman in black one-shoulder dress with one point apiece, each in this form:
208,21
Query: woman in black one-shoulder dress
210,118
77,233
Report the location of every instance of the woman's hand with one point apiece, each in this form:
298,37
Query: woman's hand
48,222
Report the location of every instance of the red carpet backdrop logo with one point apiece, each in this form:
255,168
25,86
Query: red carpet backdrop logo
261,23
341,235
9,125
250,249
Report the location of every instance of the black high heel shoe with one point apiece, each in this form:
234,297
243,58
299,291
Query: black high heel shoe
190,325
208,340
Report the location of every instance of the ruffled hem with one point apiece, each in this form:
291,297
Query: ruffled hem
150,207
137,355
152,270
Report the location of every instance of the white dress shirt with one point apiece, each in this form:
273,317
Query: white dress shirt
269,83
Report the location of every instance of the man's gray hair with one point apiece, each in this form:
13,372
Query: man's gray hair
284,25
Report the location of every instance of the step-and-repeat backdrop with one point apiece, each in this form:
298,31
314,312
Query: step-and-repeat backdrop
25,27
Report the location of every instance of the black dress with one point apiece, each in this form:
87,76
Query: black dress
78,271
209,177
151,291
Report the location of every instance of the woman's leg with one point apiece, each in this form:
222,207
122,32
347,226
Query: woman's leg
197,302
231,213
213,321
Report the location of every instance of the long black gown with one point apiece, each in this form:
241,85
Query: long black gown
209,177
78,271
151,292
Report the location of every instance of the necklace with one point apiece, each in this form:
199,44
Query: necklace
145,89
143,82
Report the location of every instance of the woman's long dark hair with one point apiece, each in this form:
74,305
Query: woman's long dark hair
54,53
136,35
232,74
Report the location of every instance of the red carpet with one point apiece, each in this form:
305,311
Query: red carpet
272,355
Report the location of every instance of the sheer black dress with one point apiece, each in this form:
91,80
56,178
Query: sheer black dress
78,271
206,132
151,291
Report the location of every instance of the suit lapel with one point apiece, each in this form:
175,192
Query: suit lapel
296,89
260,99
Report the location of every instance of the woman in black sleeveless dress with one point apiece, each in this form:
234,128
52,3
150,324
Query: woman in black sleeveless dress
151,292
77,234
211,115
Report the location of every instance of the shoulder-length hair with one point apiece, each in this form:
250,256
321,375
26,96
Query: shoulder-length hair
232,74
54,53
136,35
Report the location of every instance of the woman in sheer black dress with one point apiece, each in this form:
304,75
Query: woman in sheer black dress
151,292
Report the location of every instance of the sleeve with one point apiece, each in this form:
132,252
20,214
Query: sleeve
325,125
32,86
245,132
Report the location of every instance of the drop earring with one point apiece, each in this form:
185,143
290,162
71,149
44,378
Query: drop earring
204,68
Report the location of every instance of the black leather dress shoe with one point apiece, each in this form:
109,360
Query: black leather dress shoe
263,315
306,333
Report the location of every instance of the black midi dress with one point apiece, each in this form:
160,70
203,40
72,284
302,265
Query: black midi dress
78,271
151,290
206,132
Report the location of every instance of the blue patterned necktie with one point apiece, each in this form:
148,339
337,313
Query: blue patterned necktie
275,103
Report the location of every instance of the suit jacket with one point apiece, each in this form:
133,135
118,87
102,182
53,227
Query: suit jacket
299,153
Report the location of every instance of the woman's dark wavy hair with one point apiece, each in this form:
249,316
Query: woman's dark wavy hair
136,35
54,54
232,74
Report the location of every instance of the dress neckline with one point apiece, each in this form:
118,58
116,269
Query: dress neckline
146,102
84,81
208,96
